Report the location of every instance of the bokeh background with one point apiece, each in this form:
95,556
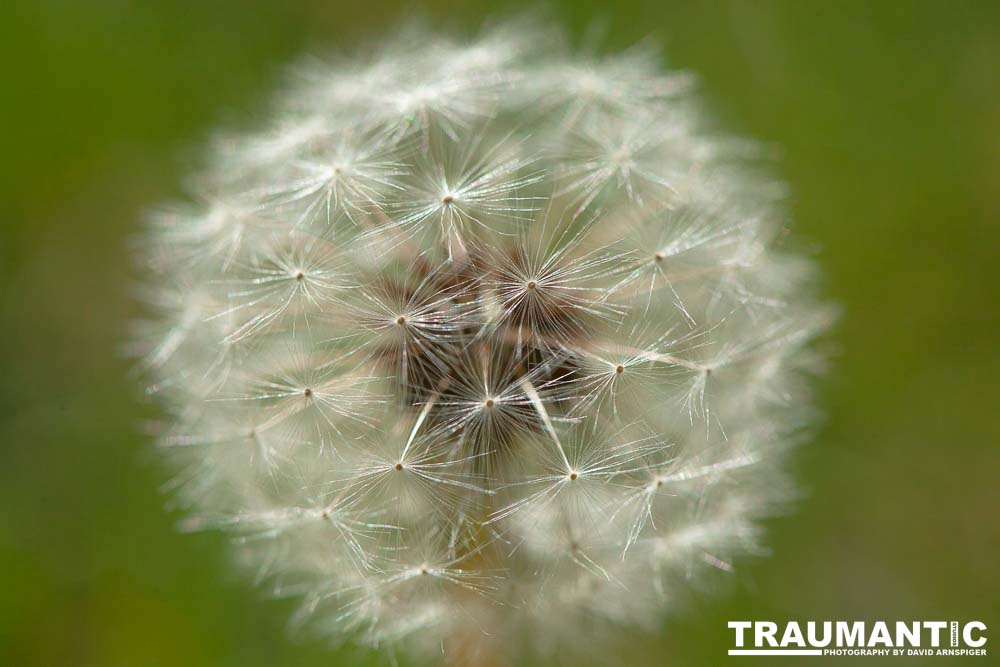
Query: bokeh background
887,113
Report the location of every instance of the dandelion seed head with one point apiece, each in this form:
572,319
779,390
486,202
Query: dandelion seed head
479,344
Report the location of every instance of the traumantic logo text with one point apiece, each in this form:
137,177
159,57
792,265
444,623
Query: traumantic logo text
952,638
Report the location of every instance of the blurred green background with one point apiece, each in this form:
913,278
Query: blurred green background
887,113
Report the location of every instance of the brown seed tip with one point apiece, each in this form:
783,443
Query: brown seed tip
659,257
532,284
300,275
399,466
307,392
447,199
620,370
573,476
489,403
401,320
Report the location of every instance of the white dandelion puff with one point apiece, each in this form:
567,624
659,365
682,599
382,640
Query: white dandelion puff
480,344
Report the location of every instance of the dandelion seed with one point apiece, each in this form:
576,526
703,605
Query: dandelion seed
632,154
468,190
547,286
289,285
351,174
408,319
